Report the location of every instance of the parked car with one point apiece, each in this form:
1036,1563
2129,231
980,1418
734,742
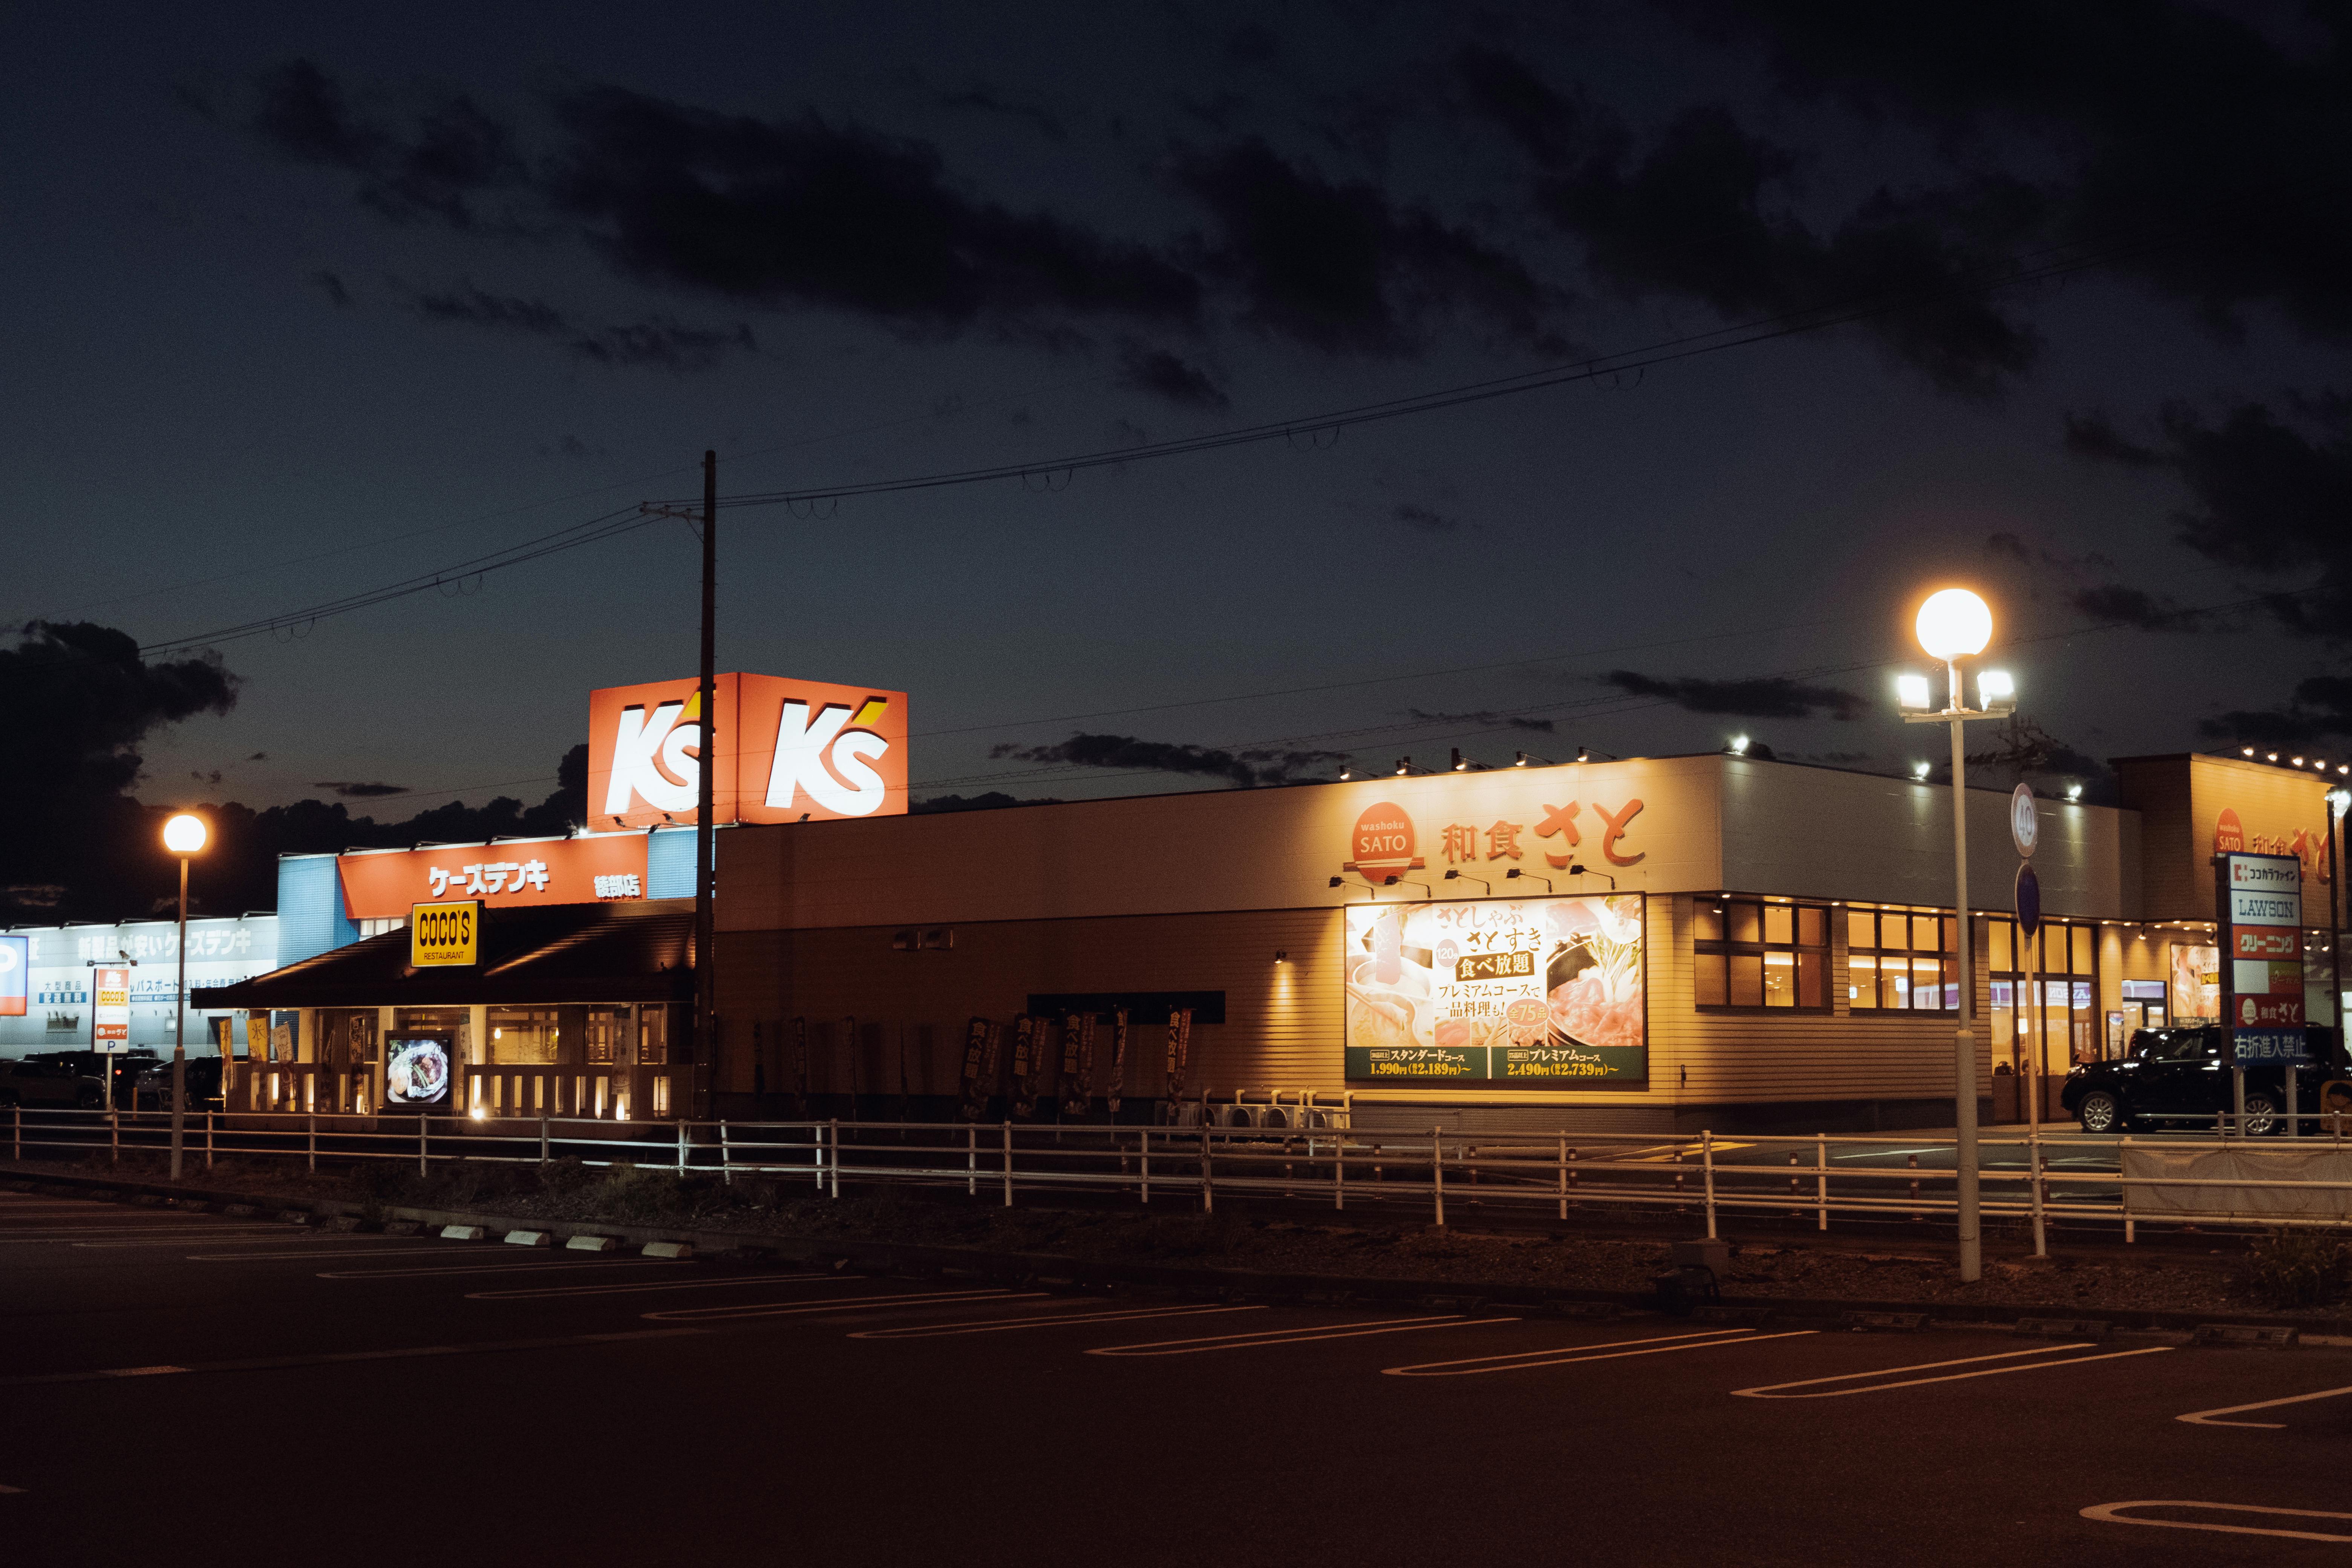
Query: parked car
50,1086
2181,1077
155,1084
122,1067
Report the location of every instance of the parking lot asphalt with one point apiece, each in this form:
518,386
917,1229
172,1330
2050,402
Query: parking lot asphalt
235,1391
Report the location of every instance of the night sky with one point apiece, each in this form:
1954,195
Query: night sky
2050,299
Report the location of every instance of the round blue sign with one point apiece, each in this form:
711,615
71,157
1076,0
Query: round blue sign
2029,901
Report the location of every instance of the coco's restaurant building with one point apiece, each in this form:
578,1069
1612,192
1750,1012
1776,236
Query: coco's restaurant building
1658,943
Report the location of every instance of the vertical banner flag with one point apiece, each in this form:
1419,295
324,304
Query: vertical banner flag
1118,1058
1180,1045
1078,1063
2261,916
110,1012
975,1060
1026,1049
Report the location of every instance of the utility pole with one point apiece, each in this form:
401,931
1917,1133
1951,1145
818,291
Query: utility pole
706,1029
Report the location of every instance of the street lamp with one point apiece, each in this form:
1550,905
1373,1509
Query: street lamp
183,835
1954,624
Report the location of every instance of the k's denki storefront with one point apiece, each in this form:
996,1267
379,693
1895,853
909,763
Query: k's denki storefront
1644,944
572,995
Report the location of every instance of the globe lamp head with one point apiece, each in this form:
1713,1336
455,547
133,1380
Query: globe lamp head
184,834
1953,623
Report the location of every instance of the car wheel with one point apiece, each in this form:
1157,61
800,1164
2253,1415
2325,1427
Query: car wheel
2263,1116
2100,1112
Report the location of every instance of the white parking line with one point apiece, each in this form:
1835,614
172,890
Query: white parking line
1045,1319
508,1268
1772,1390
2111,1513
335,1358
311,1247
2205,1417
1296,1336
540,1291
1565,1356
793,1309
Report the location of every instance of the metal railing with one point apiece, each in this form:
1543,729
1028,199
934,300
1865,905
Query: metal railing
2034,1178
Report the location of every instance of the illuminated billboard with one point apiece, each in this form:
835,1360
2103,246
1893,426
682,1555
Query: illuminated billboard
1539,993
784,751
16,975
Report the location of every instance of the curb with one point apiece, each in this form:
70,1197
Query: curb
923,1260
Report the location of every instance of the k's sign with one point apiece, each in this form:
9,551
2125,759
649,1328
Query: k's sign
780,751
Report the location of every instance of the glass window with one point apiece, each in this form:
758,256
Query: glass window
1760,955
2003,956
522,1037
2082,938
1711,984
1861,980
1862,929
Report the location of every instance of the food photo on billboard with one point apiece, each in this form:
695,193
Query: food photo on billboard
416,1071
1538,992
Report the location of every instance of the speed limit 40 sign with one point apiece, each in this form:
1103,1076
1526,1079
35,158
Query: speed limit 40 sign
443,935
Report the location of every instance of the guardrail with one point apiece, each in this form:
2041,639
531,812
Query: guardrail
2035,1177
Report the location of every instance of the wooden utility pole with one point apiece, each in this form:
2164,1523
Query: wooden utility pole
706,1022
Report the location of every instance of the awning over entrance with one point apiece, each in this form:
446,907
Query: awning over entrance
534,955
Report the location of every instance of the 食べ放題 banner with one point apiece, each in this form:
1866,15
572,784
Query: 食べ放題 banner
1543,993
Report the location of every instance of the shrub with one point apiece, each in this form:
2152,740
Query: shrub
2296,1269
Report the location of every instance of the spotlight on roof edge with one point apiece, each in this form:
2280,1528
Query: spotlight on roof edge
1919,769
1739,747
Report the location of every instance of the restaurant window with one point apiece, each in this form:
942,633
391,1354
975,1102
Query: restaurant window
2064,959
1752,954
605,1025
522,1036
1901,959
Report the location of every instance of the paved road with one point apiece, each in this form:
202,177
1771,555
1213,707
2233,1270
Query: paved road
232,1391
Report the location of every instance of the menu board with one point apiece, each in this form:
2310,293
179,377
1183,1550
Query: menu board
1538,993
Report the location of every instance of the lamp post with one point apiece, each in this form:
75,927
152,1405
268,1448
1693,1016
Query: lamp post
183,835
1954,624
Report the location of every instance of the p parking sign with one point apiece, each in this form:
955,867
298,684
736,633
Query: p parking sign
445,935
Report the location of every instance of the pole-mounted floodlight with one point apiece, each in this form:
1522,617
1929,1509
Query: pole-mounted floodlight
1953,624
183,835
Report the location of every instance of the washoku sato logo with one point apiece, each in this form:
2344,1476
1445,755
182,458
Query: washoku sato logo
780,751
1385,844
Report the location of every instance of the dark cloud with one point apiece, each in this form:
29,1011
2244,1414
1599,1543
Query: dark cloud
450,152
2093,436
2321,711
1427,519
1546,127
2009,545
2272,497
1340,267
986,100
1164,375
1245,769
1489,718
992,800
258,757
331,285
1768,696
350,791
802,211
2115,603
80,702
657,340
2210,146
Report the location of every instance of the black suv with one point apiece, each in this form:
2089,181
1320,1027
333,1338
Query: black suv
119,1067
154,1084
2180,1078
